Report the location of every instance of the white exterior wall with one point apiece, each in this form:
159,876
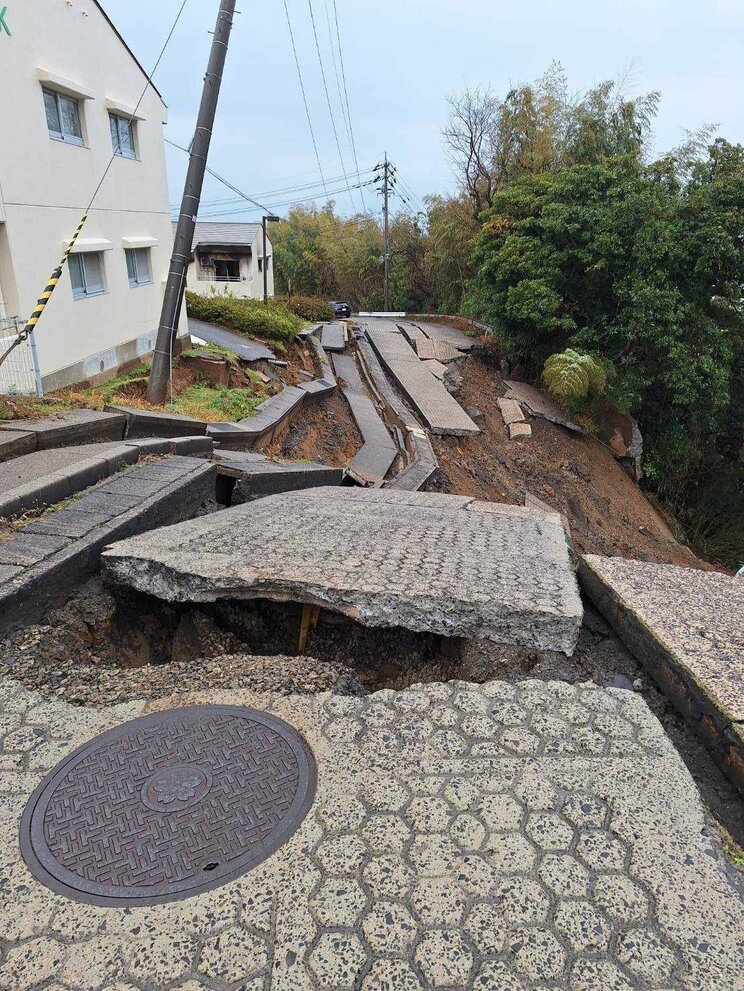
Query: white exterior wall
251,284
45,186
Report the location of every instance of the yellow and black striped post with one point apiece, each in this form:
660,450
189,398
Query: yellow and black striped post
53,280
46,295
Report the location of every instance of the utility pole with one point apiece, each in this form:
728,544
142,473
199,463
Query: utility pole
159,375
386,226
264,221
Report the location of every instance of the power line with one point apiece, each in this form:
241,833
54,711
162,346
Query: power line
277,192
328,95
304,94
347,121
224,181
276,206
346,93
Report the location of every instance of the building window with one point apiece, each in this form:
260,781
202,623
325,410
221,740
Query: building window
86,274
138,266
63,117
260,264
226,270
122,136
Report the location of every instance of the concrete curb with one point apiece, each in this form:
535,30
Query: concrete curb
77,426
241,479
690,694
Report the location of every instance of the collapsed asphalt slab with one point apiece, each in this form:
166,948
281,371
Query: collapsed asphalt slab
431,563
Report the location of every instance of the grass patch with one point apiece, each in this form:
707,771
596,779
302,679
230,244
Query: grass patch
270,322
215,403
213,351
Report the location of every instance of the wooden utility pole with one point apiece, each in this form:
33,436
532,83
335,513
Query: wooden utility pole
174,290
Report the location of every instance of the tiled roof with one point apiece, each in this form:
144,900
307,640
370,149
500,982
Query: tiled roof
232,234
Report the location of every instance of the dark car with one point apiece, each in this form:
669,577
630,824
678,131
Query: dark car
342,310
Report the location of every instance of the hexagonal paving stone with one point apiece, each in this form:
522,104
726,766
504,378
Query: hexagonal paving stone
391,975
468,832
92,965
341,854
448,743
549,831
339,903
521,742
497,976
234,955
536,793
582,926
160,960
621,898
445,958
389,877
522,901
386,833
29,965
511,853
432,855
486,929
500,813
429,815
438,901
389,928
590,975
537,954
585,811
646,955
601,851
385,794
342,814
564,875
338,961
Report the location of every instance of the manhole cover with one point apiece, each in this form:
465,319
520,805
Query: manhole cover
166,806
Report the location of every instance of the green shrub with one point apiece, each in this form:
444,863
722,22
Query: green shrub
253,317
310,308
571,375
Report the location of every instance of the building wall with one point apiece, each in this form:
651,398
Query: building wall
45,186
251,284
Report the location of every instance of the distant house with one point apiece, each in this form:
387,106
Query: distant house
71,89
227,259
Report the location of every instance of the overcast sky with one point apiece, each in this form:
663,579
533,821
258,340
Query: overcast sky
402,59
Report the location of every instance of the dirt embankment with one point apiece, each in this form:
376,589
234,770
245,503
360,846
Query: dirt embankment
574,474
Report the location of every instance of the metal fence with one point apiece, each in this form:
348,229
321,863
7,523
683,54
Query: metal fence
19,373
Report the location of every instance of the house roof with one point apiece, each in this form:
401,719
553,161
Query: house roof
232,235
134,57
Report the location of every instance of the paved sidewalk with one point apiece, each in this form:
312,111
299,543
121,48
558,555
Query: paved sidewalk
468,838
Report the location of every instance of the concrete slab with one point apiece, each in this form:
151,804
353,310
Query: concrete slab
245,347
383,557
469,838
437,369
539,404
49,476
439,411
373,461
511,411
52,558
443,332
687,628
517,430
154,423
75,426
254,476
332,337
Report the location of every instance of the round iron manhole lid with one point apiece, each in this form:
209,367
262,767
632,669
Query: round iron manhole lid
167,806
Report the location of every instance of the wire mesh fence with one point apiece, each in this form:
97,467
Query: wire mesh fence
19,373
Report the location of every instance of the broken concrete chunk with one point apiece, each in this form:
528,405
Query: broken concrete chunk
384,558
519,430
511,411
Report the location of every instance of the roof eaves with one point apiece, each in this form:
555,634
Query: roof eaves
134,57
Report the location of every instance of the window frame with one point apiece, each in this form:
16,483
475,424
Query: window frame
118,119
131,253
78,257
68,139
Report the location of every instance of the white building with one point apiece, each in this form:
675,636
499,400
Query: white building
227,259
70,86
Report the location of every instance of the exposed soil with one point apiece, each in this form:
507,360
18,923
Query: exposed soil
322,430
575,474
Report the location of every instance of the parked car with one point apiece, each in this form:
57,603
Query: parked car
342,310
